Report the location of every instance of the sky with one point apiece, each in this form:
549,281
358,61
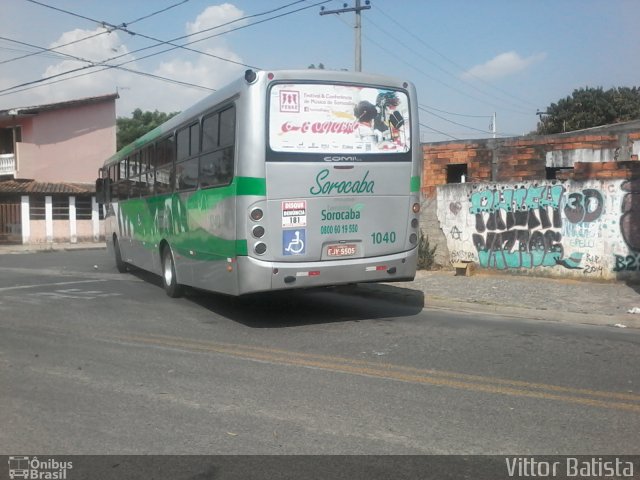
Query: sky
469,59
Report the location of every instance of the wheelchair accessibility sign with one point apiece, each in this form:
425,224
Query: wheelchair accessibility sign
294,242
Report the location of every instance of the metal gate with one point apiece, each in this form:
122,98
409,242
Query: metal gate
10,222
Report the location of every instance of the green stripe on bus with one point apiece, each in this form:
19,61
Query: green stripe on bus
241,248
415,184
251,186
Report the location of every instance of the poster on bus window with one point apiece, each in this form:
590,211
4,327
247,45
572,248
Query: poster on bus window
338,119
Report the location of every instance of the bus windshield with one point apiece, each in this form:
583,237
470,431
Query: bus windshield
346,121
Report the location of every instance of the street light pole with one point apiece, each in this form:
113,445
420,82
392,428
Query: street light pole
358,28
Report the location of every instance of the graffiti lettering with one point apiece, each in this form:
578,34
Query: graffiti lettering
628,263
523,249
519,227
592,265
585,206
461,256
630,218
516,199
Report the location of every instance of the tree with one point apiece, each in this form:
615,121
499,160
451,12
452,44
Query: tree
319,67
130,129
591,107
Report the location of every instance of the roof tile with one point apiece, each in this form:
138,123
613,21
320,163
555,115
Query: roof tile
32,186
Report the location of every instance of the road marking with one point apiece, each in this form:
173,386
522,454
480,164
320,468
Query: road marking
53,284
477,383
76,293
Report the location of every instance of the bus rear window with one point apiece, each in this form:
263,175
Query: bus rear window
338,119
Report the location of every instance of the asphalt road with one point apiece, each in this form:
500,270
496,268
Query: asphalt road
95,362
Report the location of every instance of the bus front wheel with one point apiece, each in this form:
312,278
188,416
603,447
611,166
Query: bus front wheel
169,278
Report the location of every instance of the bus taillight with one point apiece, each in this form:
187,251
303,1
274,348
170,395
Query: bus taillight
258,231
260,248
256,214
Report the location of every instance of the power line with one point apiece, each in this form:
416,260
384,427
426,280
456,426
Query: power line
444,84
462,125
426,107
107,30
451,121
437,131
53,49
24,50
156,13
169,42
2,92
463,69
94,65
469,85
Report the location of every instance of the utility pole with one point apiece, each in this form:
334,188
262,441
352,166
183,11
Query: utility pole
493,125
358,28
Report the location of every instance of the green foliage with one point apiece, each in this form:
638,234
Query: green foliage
129,129
426,254
313,66
591,107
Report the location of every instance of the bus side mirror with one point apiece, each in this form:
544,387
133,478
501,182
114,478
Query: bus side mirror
102,188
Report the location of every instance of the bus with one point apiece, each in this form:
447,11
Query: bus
280,180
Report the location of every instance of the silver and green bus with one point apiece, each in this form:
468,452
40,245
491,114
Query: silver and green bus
281,180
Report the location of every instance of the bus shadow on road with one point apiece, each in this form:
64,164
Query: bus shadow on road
293,308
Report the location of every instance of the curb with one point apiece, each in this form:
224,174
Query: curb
507,311
432,301
56,247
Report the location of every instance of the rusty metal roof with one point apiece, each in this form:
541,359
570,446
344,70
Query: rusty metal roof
32,186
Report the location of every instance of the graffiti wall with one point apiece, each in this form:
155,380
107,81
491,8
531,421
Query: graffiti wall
556,228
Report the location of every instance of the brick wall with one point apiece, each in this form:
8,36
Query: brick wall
527,158
603,153
437,157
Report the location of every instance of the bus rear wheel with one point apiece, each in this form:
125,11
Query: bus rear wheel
120,264
169,278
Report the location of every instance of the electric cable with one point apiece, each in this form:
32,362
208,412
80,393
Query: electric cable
160,42
107,30
404,28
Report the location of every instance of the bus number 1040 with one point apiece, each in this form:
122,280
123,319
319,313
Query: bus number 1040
383,237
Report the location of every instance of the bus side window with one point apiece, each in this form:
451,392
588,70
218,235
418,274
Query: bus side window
182,145
164,166
187,174
210,132
194,134
188,147
147,179
227,127
218,139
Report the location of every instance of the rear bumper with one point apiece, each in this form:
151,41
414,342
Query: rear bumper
256,275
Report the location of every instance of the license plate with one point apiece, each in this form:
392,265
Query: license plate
341,250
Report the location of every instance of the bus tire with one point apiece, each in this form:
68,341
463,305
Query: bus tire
120,264
169,278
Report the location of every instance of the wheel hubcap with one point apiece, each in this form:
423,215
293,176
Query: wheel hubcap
168,271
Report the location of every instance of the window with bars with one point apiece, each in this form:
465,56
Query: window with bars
37,208
60,208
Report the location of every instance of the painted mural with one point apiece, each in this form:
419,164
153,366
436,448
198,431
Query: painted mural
569,228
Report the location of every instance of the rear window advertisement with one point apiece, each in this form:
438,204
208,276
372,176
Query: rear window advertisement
338,119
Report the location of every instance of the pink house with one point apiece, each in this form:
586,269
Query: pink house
49,159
